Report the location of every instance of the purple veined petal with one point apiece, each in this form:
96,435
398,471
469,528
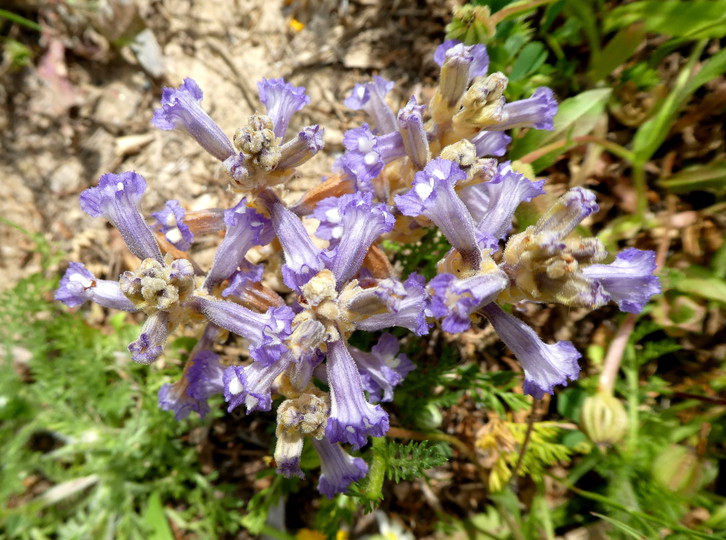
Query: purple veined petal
352,418
362,159
173,397
251,385
265,331
281,100
411,312
302,258
150,343
79,285
479,56
181,108
246,228
362,222
545,366
415,140
205,376
170,223
567,213
536,112
295,152
506,191
338,468
491,143
383,368
246,275
328,212
629,279
117,198
371,98
455,300
433,196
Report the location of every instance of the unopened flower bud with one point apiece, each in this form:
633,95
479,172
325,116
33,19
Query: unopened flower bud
679,469
604,419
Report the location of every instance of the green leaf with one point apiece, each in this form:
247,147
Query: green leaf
694,19
633,533
576,116
653,132
701,177
617,51
156,520
714,67
532,57
710,288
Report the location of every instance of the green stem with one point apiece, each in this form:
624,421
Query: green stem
17,19
640,191
376,474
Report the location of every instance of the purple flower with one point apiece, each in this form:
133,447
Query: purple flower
383,368
415,140
628,280
170,223
505,192
352,418
297,151
181,108
302,258
491,143
78,285
545,366
537,112
338,468
479,58
362,222
117,198
265,331
246,275
366,154
455,300
150,343
173,397
408,313
205,376
433,196
246,228
252,384
371,98
282,100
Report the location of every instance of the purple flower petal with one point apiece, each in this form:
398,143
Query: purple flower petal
545,366
150,343
282,100
410,310
415,140
371,98
338,468
479,63
537,112
629,279
297,151
173,397
491,143
205,376
383,368
246,228
252,384
455,300
181,108
78,285
362,222
170,223
433,196
352,418
117,198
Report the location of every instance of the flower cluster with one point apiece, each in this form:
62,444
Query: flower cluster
400,175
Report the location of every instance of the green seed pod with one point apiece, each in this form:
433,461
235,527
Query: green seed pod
429,417
604,419
678,469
